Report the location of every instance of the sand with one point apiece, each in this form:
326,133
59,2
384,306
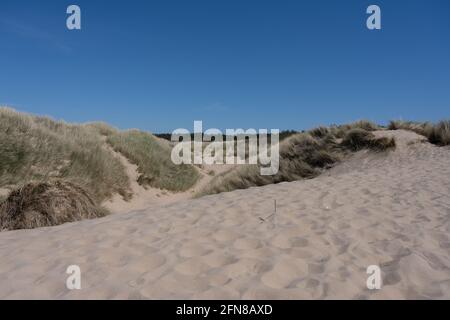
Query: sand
4,192
389,210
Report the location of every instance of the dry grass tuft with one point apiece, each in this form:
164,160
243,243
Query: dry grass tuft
340,131
47,204
358,139
438,133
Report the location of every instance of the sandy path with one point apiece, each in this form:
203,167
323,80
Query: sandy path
148,197
392,210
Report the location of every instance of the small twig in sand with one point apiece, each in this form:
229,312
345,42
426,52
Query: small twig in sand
270,216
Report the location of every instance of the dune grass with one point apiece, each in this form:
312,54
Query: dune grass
304,156
61,172
339,131
47,204
359,139
438,133
41,149
101,128
153,160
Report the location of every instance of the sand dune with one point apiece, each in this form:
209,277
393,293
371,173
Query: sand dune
147,197
391,210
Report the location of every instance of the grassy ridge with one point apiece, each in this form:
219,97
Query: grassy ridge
152,157
62,172
305,155
41,149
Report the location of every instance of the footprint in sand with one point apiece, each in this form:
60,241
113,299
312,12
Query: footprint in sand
285,242
316,268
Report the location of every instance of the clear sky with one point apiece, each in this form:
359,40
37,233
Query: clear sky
159,65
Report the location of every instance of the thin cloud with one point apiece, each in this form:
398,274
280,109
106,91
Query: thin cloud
28,31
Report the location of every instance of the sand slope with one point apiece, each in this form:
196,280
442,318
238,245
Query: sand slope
392,210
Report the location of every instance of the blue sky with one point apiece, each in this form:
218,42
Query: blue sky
159,65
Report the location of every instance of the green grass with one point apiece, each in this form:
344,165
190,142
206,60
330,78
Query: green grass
153,160
40,149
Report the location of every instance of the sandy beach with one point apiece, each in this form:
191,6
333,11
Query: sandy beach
391,210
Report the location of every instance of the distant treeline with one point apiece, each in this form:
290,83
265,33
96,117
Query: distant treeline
283,135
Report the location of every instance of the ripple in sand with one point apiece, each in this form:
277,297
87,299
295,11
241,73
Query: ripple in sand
286,242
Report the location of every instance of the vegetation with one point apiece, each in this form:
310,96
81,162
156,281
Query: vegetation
153,160
61,172
41,157
358,139
46,204
438,133
305,155
40,149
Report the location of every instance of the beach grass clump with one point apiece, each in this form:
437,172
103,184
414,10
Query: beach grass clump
438,133
422,128
359,139
320,132
341,130
44,204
